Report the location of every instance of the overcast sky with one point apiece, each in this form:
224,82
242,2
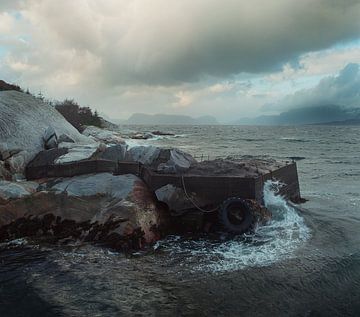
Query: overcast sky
227,58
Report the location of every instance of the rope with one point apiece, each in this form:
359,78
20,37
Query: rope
189,198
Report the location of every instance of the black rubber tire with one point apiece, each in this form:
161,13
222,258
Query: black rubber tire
235,215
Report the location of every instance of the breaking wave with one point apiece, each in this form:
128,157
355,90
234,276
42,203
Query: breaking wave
274,242
14,243
152,141
292,139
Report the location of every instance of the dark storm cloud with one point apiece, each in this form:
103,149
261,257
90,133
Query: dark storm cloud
171,42
221,38
174,56
342,90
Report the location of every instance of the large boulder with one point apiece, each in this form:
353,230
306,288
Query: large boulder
177,163
79,151
146,155
48,157
116,210
103,135
169,161
114,153
24,121
15,190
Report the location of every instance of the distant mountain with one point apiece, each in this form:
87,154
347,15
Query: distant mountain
343,122
166,119
306,115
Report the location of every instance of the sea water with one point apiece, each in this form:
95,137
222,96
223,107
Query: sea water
305,262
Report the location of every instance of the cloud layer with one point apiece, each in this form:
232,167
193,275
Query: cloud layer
342,90
167,55
170,42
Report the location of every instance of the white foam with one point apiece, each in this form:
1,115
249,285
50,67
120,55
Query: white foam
14,243
133,143
166,137
274,242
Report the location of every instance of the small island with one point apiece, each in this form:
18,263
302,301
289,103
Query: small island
74,179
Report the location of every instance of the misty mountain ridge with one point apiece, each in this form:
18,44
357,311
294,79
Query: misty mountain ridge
167,119
307,115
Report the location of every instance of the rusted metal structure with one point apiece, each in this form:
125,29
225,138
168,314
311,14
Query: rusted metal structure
70,169
217,187
228,195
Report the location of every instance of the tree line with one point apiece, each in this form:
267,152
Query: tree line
78,116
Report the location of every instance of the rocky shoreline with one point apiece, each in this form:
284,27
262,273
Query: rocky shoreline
60,184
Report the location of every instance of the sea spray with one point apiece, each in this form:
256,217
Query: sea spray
276,241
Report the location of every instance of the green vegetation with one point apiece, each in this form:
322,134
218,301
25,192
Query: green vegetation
78,116
5,86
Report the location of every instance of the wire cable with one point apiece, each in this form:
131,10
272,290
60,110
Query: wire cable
191,200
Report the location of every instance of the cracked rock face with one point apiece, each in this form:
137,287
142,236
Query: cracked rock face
118,211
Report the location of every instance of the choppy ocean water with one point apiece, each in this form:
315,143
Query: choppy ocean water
304,263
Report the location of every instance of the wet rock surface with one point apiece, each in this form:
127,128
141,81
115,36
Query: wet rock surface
118,211
15,190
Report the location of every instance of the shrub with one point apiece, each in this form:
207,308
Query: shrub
76,115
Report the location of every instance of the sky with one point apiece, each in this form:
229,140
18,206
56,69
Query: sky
226,58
